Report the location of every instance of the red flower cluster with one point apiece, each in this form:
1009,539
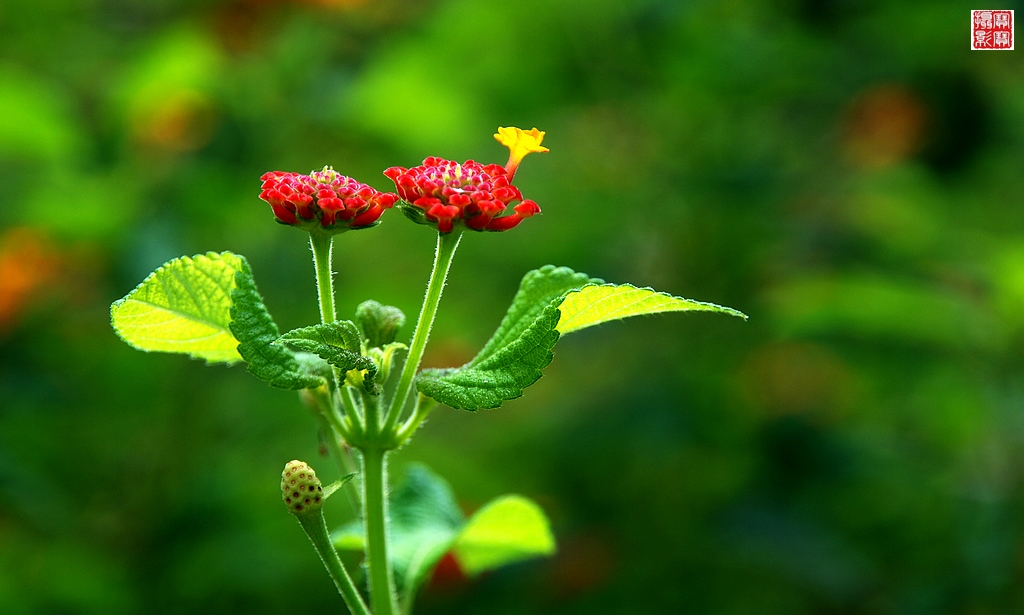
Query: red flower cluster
444,192
335,202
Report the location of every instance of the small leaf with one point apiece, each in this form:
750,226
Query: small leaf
184,306
329,490
593,305
550,301
256,331
337,343
425,520
507,530
379,323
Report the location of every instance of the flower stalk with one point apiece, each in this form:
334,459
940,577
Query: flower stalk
382,582
322,245
447,243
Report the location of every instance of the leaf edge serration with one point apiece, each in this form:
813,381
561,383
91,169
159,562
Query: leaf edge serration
489,391
256,332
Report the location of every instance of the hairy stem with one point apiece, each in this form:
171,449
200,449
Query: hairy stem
446,245
423,407
322,247
342,458
371,409
316,529
382,584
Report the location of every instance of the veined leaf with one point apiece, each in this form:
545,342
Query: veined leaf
338,343
593,305
517,352
507,530
551,301
537,291
184,306
256,332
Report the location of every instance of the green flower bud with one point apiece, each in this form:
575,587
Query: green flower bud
300,488
378,323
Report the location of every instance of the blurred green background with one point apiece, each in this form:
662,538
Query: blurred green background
846,172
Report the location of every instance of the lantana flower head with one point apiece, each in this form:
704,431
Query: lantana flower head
324,199
445,193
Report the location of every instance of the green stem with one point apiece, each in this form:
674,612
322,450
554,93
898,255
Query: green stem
371,408
342,457
316,529
446,245
321,245
382,584
423,407
351,406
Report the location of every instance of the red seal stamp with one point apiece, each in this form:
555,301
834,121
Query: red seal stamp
991,29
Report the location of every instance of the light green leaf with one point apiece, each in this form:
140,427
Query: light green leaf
550,301
338,343
593,305
507,530
184,306
256,332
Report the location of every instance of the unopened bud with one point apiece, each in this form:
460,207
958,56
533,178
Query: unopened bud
300,488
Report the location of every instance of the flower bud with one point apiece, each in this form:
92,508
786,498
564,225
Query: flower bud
300,488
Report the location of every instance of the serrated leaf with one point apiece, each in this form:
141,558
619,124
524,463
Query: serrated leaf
507,530
184,307
425,520
522,346
517,352
338,343
501,376
379,323
537,290
256,333
593,305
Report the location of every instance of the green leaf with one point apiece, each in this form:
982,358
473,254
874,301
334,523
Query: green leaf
256,332
593,305
537,291
517,352
425,521
184,306
379,323
330,490
507,530
337,343
550,301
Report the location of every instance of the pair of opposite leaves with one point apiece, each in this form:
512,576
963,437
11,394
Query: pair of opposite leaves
207,306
